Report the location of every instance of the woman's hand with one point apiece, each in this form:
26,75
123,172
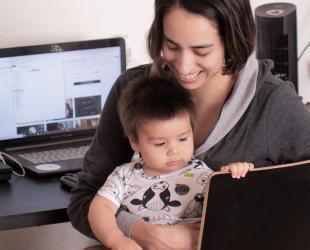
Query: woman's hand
238,169
174,237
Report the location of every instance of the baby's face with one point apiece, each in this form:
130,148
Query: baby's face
165,145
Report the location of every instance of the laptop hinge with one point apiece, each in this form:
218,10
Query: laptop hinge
48,144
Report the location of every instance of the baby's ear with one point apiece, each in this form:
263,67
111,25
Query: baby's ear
134,143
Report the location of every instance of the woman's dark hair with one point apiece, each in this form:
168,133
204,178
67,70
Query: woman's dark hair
153,97
233,19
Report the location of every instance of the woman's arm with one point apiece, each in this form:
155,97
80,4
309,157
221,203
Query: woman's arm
288,127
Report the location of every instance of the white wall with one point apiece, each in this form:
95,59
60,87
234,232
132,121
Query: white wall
47,21
27,22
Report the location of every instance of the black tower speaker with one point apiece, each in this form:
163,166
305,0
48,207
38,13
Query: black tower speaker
276,25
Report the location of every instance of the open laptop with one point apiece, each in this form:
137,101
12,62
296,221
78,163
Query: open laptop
51,98
269,209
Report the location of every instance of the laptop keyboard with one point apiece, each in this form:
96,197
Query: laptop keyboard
55,155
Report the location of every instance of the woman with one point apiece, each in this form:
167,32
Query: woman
244,113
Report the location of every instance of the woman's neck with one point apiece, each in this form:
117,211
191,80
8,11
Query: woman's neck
214,93
209,100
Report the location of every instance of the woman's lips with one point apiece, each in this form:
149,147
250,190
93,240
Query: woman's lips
188,78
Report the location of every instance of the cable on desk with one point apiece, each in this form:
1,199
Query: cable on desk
23,172
303,51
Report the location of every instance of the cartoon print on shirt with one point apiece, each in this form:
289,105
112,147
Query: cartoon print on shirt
138,169
112,186
131,189
149,177
138,166
194,207
202,179
181,189
156,219
197,164
156,198
115,173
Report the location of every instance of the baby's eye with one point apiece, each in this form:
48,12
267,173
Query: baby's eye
159,144
183,139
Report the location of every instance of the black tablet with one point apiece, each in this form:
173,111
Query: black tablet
269,209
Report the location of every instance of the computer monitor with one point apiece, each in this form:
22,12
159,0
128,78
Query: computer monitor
55,91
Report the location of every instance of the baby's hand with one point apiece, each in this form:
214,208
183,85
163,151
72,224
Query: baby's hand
238,169
125,243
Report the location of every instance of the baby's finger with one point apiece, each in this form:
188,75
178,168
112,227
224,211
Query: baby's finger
234,170
241,168
224,169
251,166
246,167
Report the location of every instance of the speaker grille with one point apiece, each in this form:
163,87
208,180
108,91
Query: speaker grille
277,38
275,46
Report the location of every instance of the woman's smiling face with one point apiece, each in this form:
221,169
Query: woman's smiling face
192,48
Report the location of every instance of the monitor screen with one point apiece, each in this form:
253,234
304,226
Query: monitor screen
57,88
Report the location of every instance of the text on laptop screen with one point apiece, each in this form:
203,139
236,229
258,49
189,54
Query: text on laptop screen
50,93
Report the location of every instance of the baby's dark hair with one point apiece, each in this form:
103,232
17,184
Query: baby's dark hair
153,98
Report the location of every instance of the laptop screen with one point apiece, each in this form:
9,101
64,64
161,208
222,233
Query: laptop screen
56,90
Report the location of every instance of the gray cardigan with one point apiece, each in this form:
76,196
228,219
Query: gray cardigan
264,122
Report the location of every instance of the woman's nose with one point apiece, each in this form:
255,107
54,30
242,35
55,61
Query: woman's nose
184,63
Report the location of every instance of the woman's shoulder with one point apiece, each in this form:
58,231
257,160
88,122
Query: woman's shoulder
269,84
140,69
276,97
132,73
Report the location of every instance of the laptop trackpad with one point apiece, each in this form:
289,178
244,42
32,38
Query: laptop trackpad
48,167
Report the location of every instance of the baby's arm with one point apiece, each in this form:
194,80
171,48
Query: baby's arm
102,220
238,169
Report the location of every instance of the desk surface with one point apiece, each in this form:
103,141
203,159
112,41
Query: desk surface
32,201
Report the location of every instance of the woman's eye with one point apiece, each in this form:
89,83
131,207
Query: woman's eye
201,53
172,47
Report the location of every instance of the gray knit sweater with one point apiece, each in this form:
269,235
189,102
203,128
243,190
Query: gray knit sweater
264,122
